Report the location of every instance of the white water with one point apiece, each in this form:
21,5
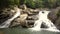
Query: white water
43,18
8,22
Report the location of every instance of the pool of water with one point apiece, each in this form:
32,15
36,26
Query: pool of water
18,30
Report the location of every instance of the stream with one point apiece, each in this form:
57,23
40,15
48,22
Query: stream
34,30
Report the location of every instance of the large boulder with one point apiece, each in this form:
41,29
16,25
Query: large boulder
53,15
21,20
57,23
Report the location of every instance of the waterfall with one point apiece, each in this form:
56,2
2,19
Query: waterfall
7,22
43,18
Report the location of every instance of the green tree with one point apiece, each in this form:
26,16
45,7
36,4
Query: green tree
52,3
17,2
34,3
6,3
39,3
58,2
30,3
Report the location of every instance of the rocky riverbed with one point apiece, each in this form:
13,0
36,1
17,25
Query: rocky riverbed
28,16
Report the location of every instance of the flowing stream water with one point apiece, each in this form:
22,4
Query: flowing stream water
7,23
43,18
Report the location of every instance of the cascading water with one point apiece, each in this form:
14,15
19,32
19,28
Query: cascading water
7,22
43,18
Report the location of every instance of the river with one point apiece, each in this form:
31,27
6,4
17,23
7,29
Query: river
18,30
34,30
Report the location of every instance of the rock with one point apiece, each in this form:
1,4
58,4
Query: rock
5,14
23,16
15,23
33,17
33,12
27,23
23,7
23,21
26,19
53,15
57,23
20,20
30,11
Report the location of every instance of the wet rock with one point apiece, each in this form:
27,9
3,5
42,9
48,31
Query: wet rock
27,23
27,18
20,20
5,14
8,14
57,23
15,23
23,22
33,12
53,15
30,11
34,17
43,26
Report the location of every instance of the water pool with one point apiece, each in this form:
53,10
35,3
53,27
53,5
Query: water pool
18,30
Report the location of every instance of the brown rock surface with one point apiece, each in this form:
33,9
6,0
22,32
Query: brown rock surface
57,23
5,14
27,18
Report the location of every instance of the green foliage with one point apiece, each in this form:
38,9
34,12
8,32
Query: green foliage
34,3
43,3
58,2
17,2
6,3
39,4
22,2
52,3
31,3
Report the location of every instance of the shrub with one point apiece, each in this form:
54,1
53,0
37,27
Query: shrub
17,2
6,3
58,2
30,3
43,3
